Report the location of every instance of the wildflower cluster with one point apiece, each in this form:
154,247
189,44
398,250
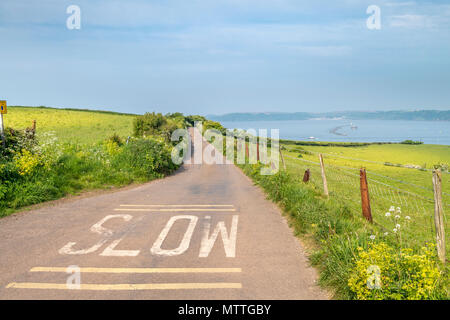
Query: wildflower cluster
403,275
26,162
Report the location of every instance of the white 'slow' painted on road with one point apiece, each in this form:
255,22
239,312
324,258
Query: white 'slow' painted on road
229,241
96,228
184,245
207,242
111,252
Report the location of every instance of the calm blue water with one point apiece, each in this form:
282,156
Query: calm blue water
430,132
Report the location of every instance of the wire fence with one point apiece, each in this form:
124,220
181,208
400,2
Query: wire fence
399,208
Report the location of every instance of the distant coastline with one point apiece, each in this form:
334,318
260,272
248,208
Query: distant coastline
418,115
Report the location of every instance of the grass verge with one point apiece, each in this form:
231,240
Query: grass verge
344,244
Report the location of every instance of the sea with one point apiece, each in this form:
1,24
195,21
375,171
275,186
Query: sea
345,130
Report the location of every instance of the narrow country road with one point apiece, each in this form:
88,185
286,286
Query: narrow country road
205,232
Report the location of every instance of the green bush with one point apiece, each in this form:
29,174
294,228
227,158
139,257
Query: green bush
115,138
383,273
147,158
411,142
52,170
190,120
156,124
213,125
16,141
148,124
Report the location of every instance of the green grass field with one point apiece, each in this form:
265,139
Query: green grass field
374,157
69,125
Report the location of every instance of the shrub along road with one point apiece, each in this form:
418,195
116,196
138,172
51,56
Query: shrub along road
205,232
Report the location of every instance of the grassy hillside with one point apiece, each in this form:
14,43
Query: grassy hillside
71,125
78,150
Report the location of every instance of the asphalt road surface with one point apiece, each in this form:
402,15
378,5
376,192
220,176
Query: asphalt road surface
205,232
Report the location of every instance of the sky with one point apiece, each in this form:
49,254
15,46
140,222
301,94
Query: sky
222,56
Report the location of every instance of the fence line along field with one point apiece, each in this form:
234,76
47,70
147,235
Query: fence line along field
403,166
401,198
77,126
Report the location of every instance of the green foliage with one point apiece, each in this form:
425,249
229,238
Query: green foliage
212,125
115,138
52,170
27,162
147,158
148,124
156,124
382,273
411,142
16,141
190,120
441,166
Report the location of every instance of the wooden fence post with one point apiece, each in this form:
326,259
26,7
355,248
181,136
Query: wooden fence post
247,156
439,214
282,159
33,128
324,177
306,176
365,199
257,150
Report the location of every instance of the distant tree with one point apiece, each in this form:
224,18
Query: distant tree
190,120
411,142
148,124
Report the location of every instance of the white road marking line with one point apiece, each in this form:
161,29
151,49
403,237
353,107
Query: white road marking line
176,205
178,210
139,270
127,286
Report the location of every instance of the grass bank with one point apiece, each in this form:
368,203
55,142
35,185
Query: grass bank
346,247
